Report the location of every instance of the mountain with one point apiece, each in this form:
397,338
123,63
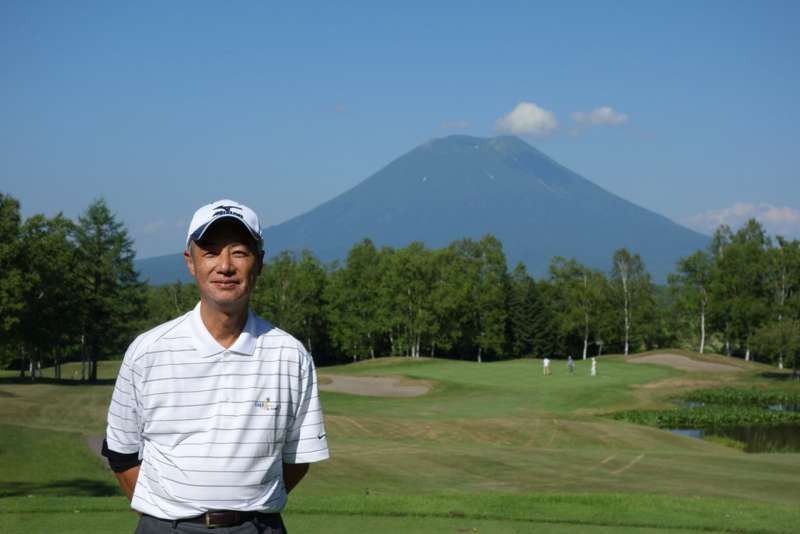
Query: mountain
461,186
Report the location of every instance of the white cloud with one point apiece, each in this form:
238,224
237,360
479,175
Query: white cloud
777,220
601,116
527,118
456,125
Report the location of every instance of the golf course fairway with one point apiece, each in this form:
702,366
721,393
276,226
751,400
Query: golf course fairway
465,447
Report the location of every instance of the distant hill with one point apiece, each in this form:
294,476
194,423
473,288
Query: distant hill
461,186
163,269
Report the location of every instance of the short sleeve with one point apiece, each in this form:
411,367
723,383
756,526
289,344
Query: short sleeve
123,433
306,440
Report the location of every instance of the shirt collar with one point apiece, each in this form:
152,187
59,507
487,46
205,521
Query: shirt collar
207,346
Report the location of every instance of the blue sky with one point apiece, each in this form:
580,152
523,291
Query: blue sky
686,108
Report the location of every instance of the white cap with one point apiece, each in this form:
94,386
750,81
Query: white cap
224,209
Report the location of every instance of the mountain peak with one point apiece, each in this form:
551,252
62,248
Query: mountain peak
503,143
462,186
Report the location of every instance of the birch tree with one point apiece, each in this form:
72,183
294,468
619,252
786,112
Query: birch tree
353,302
484,290
630,283
290,292
691,285
492,297
742,273
784,281
776,339
578,291
450,295
721,313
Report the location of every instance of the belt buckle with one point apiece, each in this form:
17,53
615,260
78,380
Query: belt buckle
210,524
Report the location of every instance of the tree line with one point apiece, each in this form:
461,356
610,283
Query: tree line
69,291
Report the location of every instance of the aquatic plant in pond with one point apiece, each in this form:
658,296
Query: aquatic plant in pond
756,420
744,397
710,416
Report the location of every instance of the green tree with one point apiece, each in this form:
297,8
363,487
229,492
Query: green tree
522,300
47,322
352,297
290,293
691,286
407,282
784,281
578,291
449,300
11,295
111,294
633,295
484,291
492,297
740,283
779,340
168,301
719,315
531,323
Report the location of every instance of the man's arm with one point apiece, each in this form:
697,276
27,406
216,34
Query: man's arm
127,480
293,474
125,467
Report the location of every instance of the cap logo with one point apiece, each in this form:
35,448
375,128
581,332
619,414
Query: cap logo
226,210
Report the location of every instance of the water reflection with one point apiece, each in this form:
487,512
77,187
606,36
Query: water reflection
779,438
688,432
784,408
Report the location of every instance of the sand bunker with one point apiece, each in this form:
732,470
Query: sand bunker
685,364
374,386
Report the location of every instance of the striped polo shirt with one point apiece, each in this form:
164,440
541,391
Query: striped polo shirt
213,426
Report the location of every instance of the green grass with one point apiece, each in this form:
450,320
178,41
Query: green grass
553,512
495,447
41,462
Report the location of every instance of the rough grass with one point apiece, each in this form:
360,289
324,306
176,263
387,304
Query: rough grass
495,447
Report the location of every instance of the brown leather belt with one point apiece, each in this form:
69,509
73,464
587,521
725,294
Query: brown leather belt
224,518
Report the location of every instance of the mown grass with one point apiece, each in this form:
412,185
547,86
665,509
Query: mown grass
495,447
554,512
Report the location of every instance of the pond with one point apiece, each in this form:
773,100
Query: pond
784,407
778,438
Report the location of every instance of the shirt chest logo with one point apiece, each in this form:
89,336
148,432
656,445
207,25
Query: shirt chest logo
266,405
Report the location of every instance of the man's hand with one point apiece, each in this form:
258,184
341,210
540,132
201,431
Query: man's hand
293,474
127,480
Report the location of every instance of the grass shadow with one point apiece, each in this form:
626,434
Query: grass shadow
5,380
77,487
779,377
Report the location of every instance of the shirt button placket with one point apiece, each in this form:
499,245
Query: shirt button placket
226,375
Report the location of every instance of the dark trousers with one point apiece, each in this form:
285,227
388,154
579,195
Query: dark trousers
267,524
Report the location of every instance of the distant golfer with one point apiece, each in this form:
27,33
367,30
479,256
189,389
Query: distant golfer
546,366
570,364
594,366
215,415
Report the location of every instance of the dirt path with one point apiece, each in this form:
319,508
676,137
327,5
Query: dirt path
374,386
685,364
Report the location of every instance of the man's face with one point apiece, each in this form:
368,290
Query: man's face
225,264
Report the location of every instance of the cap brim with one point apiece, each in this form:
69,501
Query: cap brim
198,234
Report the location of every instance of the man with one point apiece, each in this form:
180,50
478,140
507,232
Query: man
215,415
570,364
